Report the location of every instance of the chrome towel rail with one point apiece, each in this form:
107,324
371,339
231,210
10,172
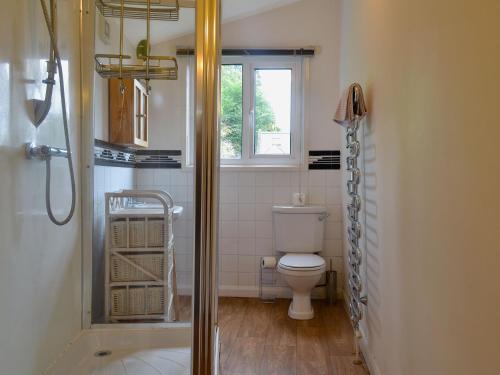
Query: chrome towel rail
350,111
354,229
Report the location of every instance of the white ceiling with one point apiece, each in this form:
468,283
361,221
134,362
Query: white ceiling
135,30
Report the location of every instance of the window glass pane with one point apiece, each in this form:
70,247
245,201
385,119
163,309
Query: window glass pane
231,123
273,104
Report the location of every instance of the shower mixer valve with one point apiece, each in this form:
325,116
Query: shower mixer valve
44,152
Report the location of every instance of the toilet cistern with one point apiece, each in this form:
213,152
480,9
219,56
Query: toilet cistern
299,233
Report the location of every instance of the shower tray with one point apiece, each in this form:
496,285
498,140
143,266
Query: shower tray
169,361
130,351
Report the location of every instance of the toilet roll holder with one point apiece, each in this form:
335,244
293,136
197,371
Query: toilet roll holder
267,282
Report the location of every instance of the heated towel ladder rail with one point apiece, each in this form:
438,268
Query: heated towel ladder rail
350,112
355,256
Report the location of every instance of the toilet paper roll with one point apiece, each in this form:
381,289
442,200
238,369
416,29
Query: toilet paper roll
299,199
268,262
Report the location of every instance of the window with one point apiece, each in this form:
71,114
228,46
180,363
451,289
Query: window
260,111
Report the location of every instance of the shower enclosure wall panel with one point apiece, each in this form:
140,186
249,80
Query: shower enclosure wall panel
40,264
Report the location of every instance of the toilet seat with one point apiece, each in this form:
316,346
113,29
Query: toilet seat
301,263
301,272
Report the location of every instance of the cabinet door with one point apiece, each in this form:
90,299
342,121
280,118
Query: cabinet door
141,103
121,111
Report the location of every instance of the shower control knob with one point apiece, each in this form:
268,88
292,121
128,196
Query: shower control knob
44,152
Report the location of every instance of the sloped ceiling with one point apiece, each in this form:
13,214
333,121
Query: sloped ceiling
135,30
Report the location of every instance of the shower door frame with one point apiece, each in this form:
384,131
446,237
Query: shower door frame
204,329
87,50
205,343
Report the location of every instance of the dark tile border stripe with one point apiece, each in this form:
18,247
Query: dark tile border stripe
325,153
323,167
158,165
159,152
112,146
324,159
111,155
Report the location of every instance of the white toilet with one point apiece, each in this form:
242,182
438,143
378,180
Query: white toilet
299,232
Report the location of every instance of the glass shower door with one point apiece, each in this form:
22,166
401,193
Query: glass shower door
195,268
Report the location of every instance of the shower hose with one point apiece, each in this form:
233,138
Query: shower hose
66,131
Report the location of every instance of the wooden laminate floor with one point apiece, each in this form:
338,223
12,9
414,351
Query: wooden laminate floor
260,339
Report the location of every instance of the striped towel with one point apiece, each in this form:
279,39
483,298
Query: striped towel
351,106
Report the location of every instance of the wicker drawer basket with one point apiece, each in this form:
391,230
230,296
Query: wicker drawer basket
138,301
137,233
119,302
156,233
123,271
155,298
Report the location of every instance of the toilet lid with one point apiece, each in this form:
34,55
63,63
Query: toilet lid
302,261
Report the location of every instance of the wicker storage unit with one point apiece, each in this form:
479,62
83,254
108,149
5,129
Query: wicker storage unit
139,252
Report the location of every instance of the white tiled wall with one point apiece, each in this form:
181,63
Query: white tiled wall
246,221
40,263
247,197
246,200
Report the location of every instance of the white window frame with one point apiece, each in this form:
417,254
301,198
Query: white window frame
250,64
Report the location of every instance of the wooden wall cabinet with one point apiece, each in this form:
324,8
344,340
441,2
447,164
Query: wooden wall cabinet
128,113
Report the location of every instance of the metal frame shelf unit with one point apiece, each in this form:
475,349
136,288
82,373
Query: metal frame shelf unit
163,10
147,67
140,277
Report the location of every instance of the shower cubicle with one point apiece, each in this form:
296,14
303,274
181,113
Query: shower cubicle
140,289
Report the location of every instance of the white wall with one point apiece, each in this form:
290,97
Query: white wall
40,280
167,109
430,71
307,23
247,197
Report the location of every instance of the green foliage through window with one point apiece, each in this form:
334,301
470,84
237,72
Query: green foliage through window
231,119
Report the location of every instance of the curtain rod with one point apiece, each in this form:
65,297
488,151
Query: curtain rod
254,52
